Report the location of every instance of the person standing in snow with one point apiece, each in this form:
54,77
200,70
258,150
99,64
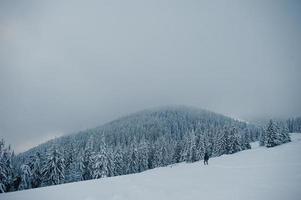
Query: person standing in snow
206,158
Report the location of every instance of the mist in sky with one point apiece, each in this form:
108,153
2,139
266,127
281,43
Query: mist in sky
71,65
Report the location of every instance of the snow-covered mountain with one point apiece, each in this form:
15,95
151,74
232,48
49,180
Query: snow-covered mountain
153,123
135,143
258,173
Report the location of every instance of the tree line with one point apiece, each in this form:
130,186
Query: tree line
129,145
61,165
276,133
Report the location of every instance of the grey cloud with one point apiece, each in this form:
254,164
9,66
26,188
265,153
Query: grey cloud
69,66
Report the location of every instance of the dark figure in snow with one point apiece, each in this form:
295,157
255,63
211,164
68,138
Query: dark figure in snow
206,158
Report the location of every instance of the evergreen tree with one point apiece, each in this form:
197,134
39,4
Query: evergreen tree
100,164
165,156
111,164
54,168
26,177
6,170
119,163
151,156
233,141
72,165
143,156
86,163
283,133
221,144
177,152
36,170
133,160
185,154
245,142
192,148
271,137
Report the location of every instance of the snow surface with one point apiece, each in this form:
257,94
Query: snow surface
259,173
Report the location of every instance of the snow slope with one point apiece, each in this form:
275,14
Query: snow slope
259,173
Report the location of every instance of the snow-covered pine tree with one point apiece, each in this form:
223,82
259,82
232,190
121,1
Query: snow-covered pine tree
36,170
119,168
271,136
86,161
176,158
111,164
6,171
185,154
53,171
100,168
210,142
133,160
143,156
203,145
151,156
165,156
233,141
72,168
69,160
245,144
286,135
283,133
193,148
165,151
26,177
221,144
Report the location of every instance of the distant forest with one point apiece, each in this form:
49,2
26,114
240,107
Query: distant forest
132,144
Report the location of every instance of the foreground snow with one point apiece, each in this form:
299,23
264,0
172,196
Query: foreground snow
259,173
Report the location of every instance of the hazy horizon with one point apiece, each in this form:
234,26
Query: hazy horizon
68,67
26,145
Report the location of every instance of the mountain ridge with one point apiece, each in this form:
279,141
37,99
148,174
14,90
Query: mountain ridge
134,143
177,107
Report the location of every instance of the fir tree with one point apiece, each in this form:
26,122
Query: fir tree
119,163
177,152
6,170
26,177
283,133
36,170
100,162
100,166
221,144
86,163
271,137
143,156
111,164
54,168
192,149
233,141
133,160
72,170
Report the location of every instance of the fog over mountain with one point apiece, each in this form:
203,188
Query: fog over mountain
68,66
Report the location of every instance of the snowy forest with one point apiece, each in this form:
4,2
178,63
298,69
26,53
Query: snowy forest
135,143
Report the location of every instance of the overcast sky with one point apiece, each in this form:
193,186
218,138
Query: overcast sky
68,66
